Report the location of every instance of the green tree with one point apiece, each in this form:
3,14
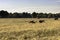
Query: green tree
34,15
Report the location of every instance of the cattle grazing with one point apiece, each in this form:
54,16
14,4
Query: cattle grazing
56,18
41,21
32,22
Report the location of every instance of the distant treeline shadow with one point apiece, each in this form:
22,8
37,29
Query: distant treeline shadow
30,35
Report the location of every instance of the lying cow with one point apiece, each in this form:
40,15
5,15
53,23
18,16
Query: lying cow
41,21
56,18
32,22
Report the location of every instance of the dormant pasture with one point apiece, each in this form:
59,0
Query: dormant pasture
21,29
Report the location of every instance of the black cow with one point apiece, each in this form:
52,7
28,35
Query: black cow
56,18
41,21
32,22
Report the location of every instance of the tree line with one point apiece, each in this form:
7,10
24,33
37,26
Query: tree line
6,14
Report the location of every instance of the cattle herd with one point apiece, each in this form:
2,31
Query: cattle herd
40,21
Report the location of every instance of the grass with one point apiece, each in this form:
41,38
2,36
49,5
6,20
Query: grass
21,29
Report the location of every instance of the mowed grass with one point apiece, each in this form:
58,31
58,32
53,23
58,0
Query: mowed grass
21,29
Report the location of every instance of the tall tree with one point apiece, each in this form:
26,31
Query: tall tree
40,15
34,14
4,14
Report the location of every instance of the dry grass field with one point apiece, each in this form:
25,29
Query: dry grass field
21,29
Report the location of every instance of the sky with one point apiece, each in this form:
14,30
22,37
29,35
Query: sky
45,6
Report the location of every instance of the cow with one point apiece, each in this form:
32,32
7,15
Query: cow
32,22
41,21
56,18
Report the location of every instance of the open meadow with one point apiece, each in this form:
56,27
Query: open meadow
21,29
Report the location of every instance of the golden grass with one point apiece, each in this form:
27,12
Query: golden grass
21,24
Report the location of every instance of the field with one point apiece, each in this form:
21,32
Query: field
21,29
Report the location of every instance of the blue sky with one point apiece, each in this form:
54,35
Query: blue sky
30,5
